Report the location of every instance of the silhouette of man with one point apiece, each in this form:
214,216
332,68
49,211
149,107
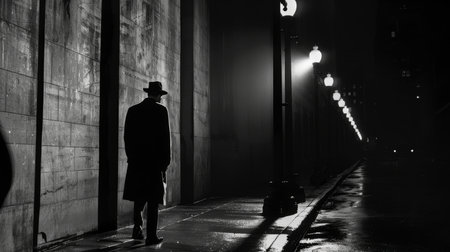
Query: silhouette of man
5,170
147,145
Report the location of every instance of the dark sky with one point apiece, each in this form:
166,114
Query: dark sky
398,51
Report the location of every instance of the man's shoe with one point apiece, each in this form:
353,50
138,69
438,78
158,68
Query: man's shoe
153,241
137,234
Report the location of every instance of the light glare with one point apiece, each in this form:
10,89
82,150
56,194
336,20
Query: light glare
301,67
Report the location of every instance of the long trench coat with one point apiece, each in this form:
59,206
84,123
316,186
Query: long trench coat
147,145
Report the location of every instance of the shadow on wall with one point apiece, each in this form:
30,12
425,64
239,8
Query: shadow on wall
5,170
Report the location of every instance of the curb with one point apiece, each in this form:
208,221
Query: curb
304,220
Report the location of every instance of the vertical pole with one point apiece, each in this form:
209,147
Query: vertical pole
187,101
316,117
109,115
278,202
288,94
39,123
277,94
328,101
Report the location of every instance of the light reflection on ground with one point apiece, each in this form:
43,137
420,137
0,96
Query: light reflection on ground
378,208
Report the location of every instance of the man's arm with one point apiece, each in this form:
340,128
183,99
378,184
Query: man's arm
166,140
128,131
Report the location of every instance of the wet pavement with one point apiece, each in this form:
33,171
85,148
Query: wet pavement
220,224
397,205
217,224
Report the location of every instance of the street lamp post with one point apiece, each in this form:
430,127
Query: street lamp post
291,176
316,56
328,81
288,143
336,98
280,200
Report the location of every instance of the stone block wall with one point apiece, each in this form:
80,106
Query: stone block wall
18,73
202,143
70,137
150,51
150,46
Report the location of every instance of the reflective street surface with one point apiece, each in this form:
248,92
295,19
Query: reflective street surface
397,205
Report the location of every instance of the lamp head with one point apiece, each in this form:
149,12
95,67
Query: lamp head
328,81
288,8
315,55
336,95
345,111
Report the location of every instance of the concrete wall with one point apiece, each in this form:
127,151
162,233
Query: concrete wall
18,73
150,50
70,153
202,143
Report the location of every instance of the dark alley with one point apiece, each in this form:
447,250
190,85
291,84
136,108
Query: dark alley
223,125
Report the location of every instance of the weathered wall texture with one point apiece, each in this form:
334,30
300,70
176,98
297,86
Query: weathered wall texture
150,50
18,73
202,143
70,137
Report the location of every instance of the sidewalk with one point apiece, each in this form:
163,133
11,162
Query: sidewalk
218,224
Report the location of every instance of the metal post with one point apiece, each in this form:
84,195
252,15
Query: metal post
316,114
288,95
277,94
293,188
318,166
329,99
279,200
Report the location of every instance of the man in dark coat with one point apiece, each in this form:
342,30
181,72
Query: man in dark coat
147,145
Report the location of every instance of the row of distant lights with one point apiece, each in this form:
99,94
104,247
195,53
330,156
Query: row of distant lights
315,56
346,111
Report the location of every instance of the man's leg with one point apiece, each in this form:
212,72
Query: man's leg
152,219
152,224
137,219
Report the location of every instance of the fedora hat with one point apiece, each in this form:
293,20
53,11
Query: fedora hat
155,87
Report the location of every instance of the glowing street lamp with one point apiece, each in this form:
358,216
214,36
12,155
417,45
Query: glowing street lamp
341,103
328,81
345,110
336,96
315,55
288,9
